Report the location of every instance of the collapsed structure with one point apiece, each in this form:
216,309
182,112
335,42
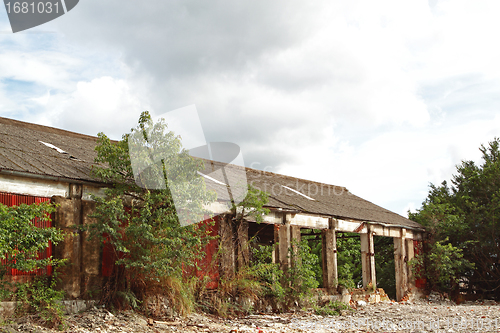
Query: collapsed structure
39,163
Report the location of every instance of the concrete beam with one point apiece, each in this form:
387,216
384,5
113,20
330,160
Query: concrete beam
33,186
319,222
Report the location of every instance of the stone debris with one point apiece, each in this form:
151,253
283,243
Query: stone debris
432,315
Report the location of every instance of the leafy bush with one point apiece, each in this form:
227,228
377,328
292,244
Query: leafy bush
41,297
300,278
20,242
333,308
349,260
444,265
262,280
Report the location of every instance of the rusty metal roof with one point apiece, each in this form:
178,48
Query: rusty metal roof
46,151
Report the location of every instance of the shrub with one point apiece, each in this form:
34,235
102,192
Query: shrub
333,308
443,264
20,242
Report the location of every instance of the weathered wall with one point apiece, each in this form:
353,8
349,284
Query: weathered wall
80,277
91,281
68,218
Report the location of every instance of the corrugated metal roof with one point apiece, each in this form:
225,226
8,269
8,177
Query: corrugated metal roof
22,151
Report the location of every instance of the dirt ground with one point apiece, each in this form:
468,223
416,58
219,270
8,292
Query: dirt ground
416,316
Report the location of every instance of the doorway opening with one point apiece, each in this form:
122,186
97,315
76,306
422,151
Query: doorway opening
349,260
384,265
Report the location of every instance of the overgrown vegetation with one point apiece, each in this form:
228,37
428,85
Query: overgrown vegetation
384,265
141,222
348,257
349,260
263,284
41,297
444,264
332,308
463,221
21,241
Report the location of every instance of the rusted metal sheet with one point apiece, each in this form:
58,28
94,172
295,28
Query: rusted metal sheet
209,264
11,199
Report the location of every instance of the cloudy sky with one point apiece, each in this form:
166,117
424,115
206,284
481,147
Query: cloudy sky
380,97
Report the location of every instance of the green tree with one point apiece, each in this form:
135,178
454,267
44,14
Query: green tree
142,223
467,216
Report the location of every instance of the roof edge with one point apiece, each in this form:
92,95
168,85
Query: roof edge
46,129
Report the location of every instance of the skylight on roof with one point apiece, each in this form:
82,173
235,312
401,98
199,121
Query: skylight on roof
53,147
212,179
299,193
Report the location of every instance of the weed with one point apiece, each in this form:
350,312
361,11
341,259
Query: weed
333,308
41,298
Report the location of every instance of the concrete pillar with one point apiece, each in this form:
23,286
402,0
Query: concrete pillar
329,256
295,238
400,264
284,243
226,248
91,254
368,258
68,217
242,250
410,254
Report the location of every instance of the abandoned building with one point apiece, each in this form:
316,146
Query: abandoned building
39,163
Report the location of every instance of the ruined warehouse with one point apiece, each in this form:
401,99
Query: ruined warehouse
39,163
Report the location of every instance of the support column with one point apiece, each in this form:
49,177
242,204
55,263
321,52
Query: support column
68,217
329,256
283,243
295,237
400,264
368,258
242,250
410,254
226,248
91,253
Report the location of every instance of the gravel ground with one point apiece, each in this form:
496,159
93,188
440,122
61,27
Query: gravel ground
418,316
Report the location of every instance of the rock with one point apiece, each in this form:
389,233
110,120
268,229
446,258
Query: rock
361,303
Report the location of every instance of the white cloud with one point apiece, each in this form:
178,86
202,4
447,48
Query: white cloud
107,104
381,97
